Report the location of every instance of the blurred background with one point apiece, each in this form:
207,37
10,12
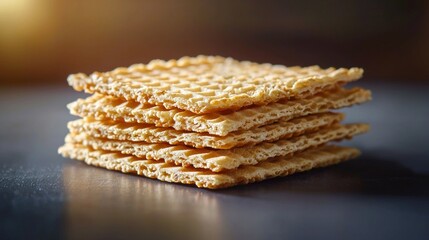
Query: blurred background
44,196
42,41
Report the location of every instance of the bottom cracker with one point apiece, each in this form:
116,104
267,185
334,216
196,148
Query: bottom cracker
276,167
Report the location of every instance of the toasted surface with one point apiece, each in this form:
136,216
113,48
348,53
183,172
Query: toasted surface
207,84
148,133
102,107
219,160
276,167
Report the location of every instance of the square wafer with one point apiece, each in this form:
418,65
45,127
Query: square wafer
102,107
276,167
220,160
148,133
207,84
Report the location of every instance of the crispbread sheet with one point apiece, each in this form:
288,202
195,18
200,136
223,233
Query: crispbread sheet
219,160
149,133
207,84
280,166
102,107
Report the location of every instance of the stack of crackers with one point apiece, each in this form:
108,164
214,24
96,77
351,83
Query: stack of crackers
211,121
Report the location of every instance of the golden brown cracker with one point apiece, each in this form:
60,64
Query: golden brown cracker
102,107
220,160
149,133
276,167
207,84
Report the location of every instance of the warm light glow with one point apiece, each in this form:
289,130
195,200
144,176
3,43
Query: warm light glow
24,24
16,15
16,6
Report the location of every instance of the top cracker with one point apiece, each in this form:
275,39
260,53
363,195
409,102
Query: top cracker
207,84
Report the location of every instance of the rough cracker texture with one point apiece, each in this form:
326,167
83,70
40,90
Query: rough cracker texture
206,84
276,167
148,133
104,107
220,160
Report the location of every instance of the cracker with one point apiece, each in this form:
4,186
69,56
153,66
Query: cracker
149,133
207,84
220,160
102,107
276,167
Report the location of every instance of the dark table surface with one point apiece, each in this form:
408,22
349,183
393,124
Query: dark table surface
382,194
